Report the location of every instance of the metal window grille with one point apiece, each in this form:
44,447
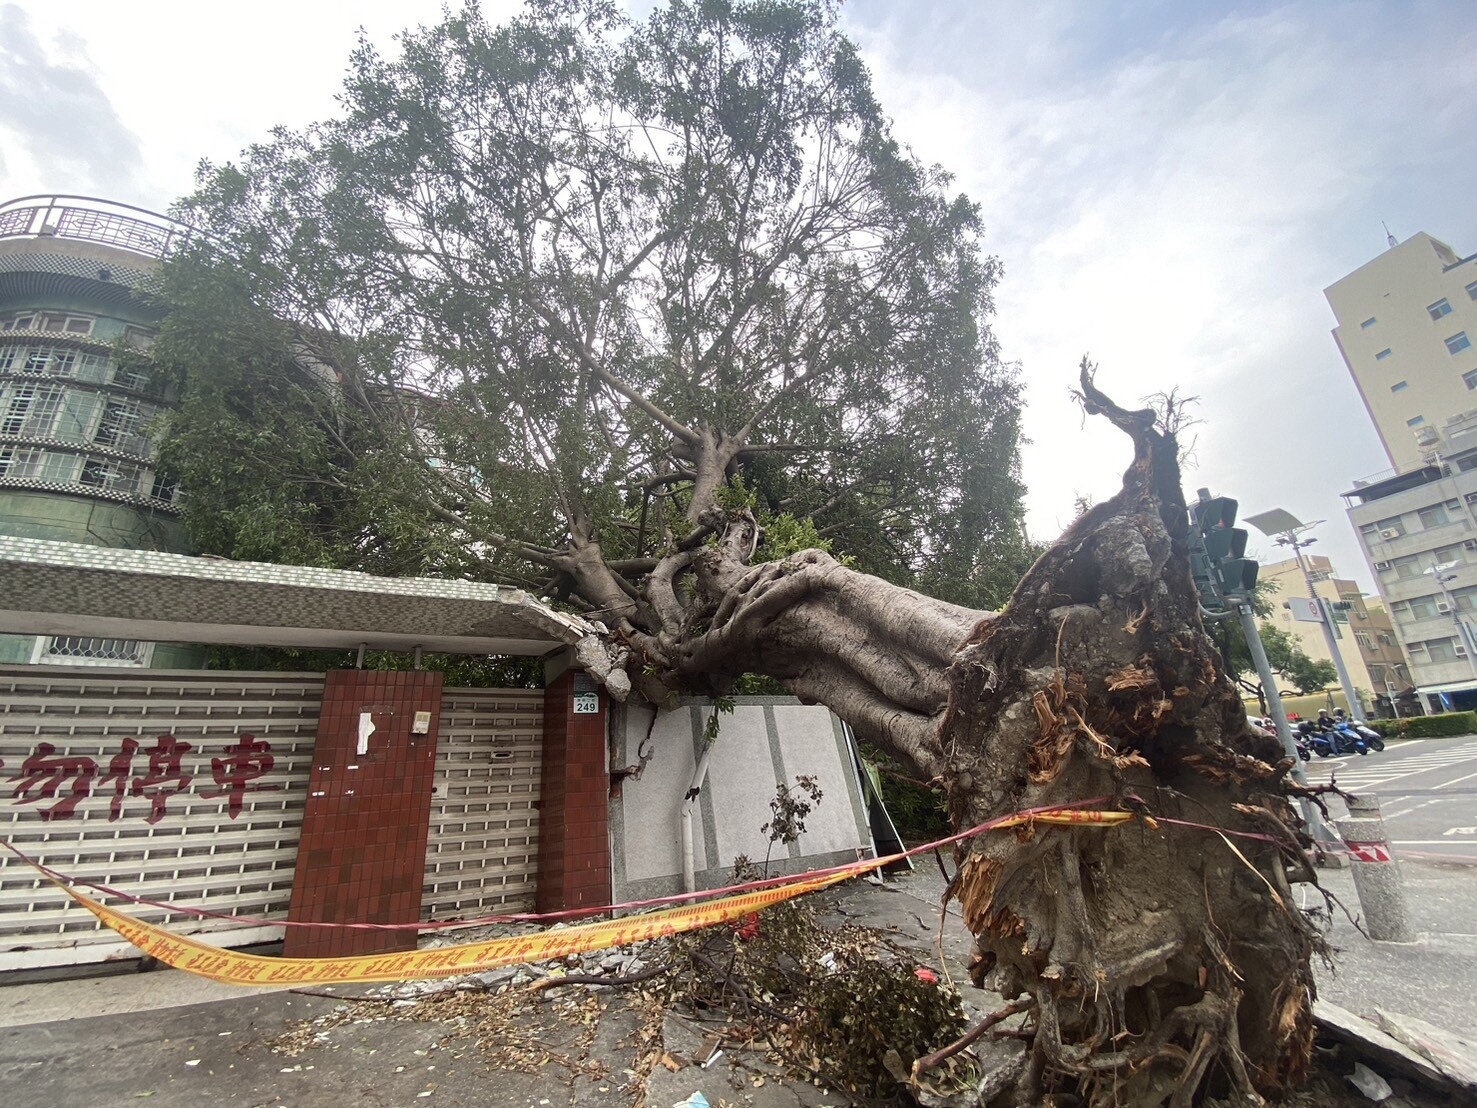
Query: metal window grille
119,424
112,476
128,651
21,462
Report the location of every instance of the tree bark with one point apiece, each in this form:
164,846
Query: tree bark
1166,962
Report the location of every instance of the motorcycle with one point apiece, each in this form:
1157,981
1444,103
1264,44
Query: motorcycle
1322,743
1356,730
1327,741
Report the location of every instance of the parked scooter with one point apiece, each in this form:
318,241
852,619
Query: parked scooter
1355,731
1368,734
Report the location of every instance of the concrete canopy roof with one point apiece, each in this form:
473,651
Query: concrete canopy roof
63,588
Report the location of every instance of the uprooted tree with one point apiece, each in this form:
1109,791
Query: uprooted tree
659,320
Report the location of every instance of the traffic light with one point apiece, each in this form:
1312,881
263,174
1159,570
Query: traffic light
1218,560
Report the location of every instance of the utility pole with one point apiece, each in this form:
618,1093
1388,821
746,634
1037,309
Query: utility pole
1322,834
1226,579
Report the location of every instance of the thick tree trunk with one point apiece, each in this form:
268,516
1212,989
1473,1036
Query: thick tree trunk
1161,962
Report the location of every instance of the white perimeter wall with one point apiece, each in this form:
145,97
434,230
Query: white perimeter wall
765,740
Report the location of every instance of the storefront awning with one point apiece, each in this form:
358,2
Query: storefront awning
61,588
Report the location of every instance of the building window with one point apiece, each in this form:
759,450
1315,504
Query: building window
1458,342
110,476
64,322
30,410
1423,607
131,377
164,488
1472,290
1441,650
1434,516
82,650
1407,567
1439,309
1368,323
1382,355
1401,386
1416,421
1470,379
119,425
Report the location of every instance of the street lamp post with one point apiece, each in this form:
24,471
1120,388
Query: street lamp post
1286,529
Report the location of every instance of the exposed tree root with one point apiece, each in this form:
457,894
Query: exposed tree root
1164,962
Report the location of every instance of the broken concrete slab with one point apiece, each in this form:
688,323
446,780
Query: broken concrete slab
1453,1054
1383,1049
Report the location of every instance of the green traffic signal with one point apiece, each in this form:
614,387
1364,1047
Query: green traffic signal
1218,561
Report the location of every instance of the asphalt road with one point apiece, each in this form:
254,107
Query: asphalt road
1427,790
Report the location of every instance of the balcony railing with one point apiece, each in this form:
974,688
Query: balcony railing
90,219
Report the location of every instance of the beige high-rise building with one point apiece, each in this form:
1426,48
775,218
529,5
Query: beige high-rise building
1407,328
1363,632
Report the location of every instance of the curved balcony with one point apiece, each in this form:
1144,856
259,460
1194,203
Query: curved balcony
91,219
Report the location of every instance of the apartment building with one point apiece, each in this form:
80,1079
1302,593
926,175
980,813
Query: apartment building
78,407
1363,633
1407,324
1418,529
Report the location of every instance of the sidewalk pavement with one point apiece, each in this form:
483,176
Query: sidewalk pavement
169,1039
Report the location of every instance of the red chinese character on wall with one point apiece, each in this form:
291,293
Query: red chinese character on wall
120,769
42,776
164,767
247,760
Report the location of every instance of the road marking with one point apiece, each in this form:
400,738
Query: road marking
1442,785
1365,778
1461,831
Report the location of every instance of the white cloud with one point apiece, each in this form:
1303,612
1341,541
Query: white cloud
1174,207
55,113
1170,190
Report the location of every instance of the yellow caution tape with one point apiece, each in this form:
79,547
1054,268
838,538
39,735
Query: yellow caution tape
250,969
233,968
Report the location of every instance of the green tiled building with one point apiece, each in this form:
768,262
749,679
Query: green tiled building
77,414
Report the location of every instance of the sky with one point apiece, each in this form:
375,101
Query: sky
1169,185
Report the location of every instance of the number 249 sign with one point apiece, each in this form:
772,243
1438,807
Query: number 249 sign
586,704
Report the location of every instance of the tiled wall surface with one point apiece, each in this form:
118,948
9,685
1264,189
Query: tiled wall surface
574,839
362,855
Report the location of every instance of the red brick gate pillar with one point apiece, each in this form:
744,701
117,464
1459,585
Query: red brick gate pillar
574,812
362,855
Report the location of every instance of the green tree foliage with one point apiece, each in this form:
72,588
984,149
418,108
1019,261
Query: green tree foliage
1287,659
543,286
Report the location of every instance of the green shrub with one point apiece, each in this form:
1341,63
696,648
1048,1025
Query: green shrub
1427,727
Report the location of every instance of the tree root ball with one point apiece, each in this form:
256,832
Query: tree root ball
1165,958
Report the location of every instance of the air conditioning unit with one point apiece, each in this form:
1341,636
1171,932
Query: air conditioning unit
1461,652
1389,533
1443,608
1469,544
1381,565
1427,436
